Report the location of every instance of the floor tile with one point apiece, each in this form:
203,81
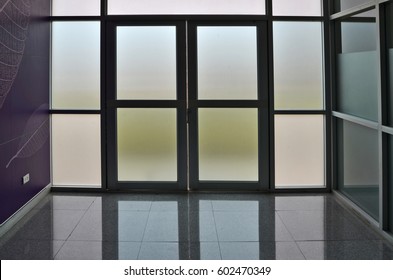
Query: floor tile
131,225
346,250
50,225
162,226
235,205
71,202
237,226
30,250
80,250
260,251
159,251
300,203
318,225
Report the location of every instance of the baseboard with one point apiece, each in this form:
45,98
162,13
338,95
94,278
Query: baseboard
18,215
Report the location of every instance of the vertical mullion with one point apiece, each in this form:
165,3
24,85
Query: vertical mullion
181,109
269,13
327,97
382,97
103,75
192,103
263,107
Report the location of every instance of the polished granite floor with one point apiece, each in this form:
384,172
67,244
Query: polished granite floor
192,226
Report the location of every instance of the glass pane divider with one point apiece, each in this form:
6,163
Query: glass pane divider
357,120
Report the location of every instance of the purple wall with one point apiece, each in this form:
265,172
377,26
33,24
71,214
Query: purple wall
24,99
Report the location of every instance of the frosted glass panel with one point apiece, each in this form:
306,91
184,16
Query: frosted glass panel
358,37
297,8
76,7
358,165
298,74
341,5
228,144
163,7
357,84
76,150
227,63
299,151
357,81
76,65
146,145
146,62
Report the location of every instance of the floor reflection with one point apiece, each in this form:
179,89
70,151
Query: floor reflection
192,226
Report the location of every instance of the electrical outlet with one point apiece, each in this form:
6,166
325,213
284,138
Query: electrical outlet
26,178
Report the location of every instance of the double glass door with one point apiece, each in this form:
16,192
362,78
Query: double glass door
187,105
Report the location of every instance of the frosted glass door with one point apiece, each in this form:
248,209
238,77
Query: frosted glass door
228,105
146,108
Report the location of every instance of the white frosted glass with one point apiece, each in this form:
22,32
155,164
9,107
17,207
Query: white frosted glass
228,144
76,65
299,151
146,144
297,8
151,7
298,66
76,150
76,7
227,62
146,62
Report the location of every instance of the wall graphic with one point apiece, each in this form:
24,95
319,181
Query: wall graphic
14,23
24,99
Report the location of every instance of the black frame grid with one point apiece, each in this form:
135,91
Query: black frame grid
264,21
381,124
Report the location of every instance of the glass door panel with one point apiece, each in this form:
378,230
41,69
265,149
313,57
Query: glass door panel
228,105
227,62
146,144
146,62
147,107
228,144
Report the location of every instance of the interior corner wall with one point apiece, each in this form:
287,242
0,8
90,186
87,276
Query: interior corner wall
24,102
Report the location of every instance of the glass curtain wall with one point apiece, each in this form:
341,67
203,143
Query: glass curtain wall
362,56
297,107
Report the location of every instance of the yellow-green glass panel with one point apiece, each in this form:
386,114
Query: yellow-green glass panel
228,144
146,144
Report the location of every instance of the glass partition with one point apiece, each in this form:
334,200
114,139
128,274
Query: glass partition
298,45
358,165
76,150
299,151
341,5
76,65
357,80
